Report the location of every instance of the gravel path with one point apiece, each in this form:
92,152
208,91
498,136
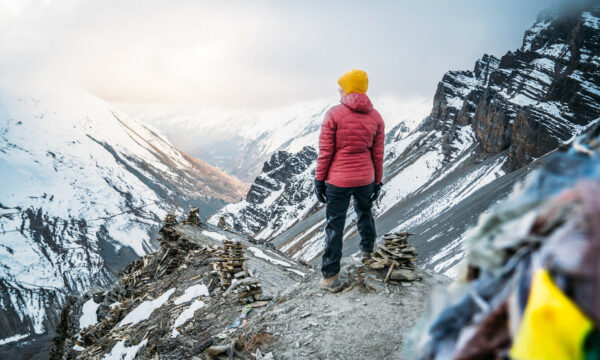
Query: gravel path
309,323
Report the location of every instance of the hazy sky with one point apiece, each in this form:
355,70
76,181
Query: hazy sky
252,53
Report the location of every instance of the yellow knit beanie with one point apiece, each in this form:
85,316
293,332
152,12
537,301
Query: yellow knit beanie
354,81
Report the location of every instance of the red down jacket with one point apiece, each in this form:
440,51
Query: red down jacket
351,143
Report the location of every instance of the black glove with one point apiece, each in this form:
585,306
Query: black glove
376,192
320,190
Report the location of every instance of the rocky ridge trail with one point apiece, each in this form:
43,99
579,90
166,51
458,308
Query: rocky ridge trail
309,323
171,305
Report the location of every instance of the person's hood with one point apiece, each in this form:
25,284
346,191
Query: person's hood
357,102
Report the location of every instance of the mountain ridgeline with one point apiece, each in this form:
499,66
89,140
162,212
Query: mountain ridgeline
258,134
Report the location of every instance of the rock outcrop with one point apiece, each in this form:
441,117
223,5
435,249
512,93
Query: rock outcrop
279,196
530,100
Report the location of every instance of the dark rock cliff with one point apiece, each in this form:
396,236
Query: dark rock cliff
279,195
530,100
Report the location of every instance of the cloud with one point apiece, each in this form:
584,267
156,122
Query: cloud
240,54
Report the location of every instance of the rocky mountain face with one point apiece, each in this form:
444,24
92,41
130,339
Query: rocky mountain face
530,100
279,196
83,190
487,130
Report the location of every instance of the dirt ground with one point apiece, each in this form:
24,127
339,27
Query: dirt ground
310,323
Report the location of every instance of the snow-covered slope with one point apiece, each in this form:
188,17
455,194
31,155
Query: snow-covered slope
81,193
209,134
486,127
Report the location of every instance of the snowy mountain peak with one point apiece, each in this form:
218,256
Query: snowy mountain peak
84,189
531,100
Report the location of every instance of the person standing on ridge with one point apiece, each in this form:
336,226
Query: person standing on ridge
350,164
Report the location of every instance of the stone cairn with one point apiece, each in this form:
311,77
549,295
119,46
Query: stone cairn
222,223
231,265
193,218
170,219
396,257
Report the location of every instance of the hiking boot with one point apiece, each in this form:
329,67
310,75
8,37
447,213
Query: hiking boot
332,284
365,256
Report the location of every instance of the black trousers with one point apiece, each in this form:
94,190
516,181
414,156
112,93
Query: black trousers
338,200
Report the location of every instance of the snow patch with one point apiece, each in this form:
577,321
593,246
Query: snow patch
186,315
590,20
13,338
191,293
122,352
214,235
455,193
260,254
296,272
455,102
88,314
556,51
447,260
290,244
410,179
397,148
545,63
144,310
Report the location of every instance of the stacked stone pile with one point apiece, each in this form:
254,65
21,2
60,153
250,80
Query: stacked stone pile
193,218
232,270
248,290
231,263
170,220
396,257
222,223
